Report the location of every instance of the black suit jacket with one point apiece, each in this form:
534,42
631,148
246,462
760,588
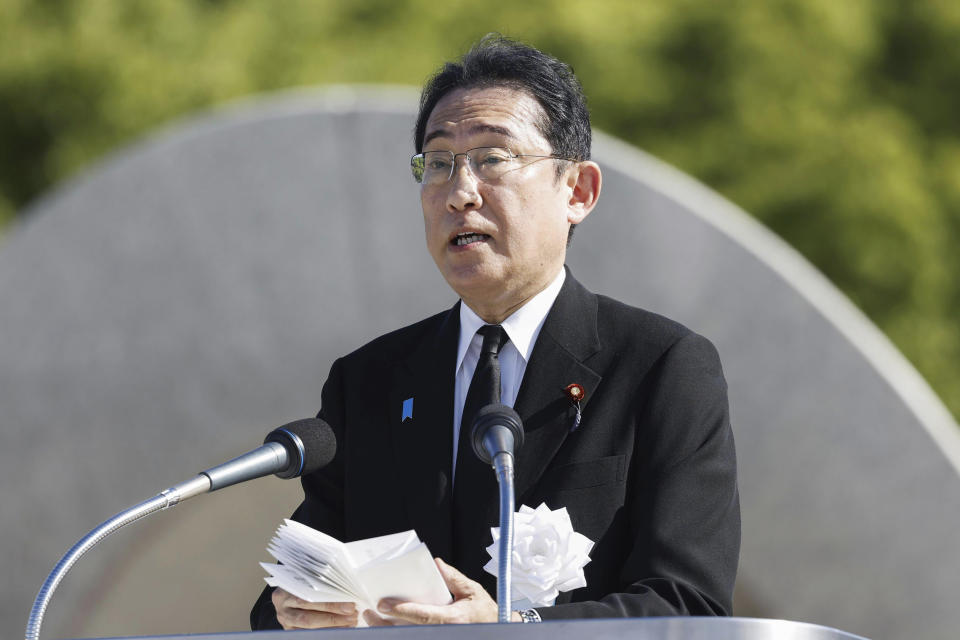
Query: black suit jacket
649,475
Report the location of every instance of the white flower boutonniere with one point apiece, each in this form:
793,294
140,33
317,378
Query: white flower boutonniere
548,556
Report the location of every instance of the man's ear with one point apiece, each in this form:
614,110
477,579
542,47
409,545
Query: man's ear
584,181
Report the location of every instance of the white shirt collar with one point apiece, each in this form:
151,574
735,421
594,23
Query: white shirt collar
522,326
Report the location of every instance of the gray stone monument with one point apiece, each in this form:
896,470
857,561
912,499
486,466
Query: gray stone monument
167,308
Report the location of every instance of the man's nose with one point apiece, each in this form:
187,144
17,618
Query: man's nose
464,187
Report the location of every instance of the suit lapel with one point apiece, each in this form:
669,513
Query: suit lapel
424,442
568,337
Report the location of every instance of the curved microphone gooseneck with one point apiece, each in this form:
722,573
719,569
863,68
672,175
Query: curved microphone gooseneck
288,451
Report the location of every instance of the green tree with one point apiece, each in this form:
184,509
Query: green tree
832,122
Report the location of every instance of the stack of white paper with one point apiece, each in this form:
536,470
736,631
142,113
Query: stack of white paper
318,568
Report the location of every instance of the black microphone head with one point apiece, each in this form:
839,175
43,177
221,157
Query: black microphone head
310,445
490,417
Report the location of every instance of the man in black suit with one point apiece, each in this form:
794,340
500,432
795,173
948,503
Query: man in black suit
643,460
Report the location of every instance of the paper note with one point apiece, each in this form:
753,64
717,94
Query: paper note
318,568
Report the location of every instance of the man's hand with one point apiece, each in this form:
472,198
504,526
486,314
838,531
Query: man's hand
294,613
471,603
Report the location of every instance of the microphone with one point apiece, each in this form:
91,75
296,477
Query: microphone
497,434
288,451
496,429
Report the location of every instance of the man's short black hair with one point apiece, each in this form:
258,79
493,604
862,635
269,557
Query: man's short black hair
496,61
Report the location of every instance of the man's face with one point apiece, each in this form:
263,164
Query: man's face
515,225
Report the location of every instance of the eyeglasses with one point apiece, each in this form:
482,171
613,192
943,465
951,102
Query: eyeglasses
487,163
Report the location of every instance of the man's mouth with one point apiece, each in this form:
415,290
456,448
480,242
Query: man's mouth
463,239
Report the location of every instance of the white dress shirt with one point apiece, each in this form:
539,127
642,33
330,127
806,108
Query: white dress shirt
523,326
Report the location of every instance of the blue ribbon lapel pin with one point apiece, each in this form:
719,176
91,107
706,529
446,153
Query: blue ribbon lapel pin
407,412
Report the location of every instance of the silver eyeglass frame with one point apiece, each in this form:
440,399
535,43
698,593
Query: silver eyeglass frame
418,161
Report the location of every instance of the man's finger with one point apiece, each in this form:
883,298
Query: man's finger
303,619
296,613
286,599
459,584
374,620
341,608
417,613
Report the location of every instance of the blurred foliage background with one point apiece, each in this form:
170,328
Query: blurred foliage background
833,122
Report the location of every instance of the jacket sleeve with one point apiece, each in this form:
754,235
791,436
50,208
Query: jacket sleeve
682,503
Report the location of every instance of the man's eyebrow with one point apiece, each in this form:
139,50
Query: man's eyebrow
491,128
479,128
436,133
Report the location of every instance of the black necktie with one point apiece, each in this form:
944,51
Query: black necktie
474,482
485,385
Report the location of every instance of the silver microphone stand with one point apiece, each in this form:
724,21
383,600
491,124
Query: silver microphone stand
163,500
497,434
503,465
268,458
